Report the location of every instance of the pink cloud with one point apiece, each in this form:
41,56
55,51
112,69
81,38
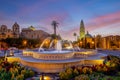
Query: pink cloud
69,34
103,21
5,20
95,24
27,9
60,17
2,16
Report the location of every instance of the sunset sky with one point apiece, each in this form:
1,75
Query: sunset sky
99,16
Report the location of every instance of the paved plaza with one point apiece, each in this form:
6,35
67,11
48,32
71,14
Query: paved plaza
111,52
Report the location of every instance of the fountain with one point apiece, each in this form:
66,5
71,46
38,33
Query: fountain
41,49
57,59
58,46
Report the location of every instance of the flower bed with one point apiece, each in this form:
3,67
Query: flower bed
110,70
13,71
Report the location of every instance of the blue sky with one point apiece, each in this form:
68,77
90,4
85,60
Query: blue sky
99,16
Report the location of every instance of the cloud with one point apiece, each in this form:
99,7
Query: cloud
68,35
34,8
60,17
106,24
63,18
2,16
102,21
5,20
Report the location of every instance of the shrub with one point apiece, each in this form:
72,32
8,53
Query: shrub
82,77
13,71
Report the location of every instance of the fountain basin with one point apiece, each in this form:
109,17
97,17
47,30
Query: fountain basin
55,66
50,55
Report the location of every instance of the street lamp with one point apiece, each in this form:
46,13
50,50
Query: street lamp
93,44
24,43
80,43
42,76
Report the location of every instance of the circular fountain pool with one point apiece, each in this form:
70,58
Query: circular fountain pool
55,52
49,55
53,61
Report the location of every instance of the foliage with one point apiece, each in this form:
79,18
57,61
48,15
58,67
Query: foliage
108,71
18,42
55,25
53,36
82,77
13,71
63,76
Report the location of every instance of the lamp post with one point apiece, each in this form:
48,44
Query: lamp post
42,77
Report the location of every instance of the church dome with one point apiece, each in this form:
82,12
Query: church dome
88,35
32,28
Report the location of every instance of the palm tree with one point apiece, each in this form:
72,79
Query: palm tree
55,25
75,35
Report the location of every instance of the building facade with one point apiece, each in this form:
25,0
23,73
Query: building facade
86,39
98,41
111,42
9,33
31,33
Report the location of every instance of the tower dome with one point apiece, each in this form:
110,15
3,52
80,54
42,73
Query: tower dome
88,35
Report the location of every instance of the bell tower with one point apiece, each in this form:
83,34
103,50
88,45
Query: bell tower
82,30
16,30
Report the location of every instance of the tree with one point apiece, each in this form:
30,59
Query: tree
75,35
69,72
55,25
82,77
75,72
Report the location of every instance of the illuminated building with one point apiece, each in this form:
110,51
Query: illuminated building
31,33
86,40
9,33
98,41
82,30
111,42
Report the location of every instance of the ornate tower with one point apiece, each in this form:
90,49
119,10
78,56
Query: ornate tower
16,30
3,29
82,30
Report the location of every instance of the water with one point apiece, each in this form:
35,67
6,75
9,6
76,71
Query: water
55,51
43,43
51,44
58,45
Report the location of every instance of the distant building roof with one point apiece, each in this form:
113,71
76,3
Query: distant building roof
32,28
88,35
